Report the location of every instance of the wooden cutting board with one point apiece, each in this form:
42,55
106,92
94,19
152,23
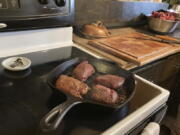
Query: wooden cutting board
133,47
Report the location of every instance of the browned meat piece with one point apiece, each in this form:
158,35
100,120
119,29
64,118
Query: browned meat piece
104,95
83,71
110,81
71,86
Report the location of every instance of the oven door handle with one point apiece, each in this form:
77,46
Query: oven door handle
3,25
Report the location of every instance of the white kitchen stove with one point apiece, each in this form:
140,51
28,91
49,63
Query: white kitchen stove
43,46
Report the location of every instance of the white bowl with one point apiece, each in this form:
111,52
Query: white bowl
10,63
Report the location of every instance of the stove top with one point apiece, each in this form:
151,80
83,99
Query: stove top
25,98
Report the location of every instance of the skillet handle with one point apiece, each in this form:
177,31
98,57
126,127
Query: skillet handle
52,120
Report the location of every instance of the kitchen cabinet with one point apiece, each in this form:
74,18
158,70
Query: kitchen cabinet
165,73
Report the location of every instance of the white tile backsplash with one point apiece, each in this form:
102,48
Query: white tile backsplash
12,43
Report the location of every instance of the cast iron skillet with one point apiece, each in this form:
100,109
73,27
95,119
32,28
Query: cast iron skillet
54,117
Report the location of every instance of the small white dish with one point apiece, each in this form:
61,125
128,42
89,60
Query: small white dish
16,63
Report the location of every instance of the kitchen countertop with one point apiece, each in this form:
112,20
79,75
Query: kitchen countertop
176,34
145,29
82,42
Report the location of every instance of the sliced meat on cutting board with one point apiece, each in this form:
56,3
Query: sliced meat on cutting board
133,47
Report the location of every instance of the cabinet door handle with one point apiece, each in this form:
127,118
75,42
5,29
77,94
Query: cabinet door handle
3,25
177,66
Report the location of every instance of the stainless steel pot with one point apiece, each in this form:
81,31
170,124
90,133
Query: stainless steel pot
162,26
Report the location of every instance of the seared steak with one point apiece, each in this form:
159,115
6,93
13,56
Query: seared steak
83,71
71,86
104,95
110,81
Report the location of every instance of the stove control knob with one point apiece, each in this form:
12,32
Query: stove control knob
44,2
60,3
